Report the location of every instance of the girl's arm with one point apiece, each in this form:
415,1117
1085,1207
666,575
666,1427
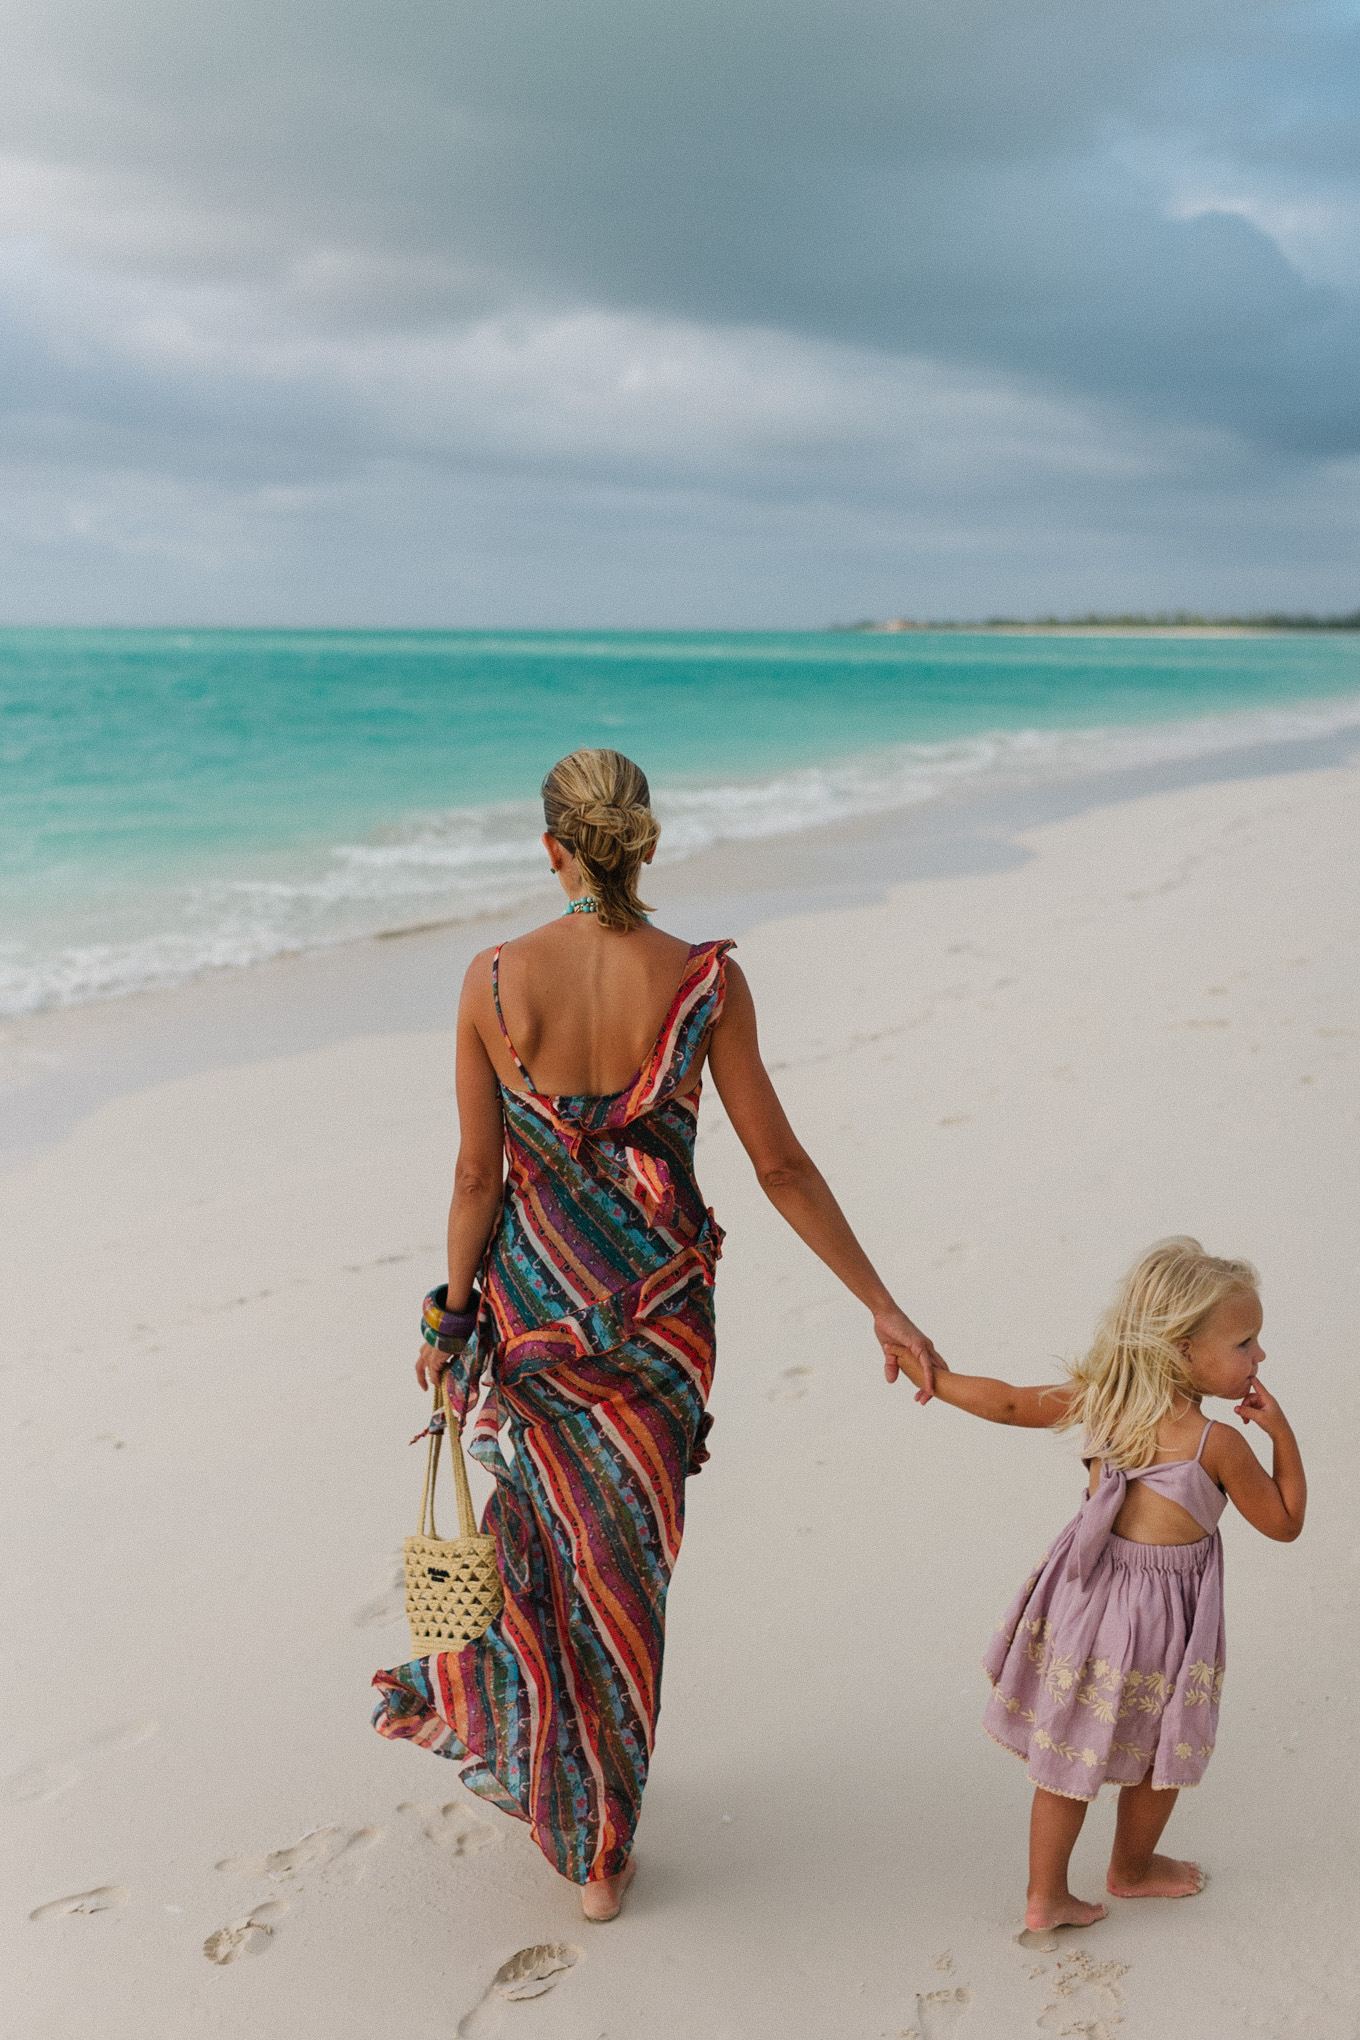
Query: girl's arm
792,1181
1274,1502
479,1174
996,1402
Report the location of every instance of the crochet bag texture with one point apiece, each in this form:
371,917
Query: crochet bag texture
453,1590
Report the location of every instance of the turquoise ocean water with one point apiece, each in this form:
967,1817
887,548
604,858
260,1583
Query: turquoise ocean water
173,802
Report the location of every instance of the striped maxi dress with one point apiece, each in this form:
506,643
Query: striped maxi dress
595,1344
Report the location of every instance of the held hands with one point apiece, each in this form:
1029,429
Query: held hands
907,1350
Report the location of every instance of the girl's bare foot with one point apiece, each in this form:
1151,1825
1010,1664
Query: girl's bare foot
603,1899
1041,1913
1165,1877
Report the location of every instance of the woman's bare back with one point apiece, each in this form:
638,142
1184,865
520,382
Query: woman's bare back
582,1004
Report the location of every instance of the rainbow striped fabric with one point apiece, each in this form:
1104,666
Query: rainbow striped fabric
596,1345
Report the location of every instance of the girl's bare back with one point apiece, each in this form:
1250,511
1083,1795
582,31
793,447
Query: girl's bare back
1151,1518
582,1004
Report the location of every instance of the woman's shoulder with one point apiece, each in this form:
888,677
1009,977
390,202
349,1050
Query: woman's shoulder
477,976
550,940
554,953
564,929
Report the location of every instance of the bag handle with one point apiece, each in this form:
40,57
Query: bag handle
442,1425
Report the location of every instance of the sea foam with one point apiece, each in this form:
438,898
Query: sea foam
460,864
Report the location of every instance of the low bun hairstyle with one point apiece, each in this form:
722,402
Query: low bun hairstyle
599,806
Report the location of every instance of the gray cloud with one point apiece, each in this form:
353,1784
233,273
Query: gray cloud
988,298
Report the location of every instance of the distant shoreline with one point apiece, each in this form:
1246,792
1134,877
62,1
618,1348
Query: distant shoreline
1117,626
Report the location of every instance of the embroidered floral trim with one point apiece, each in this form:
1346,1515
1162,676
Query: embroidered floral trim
1144,1693
1112,1696
1068,1751
1204,1683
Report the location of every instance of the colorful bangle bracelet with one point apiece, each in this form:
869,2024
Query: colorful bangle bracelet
448,1330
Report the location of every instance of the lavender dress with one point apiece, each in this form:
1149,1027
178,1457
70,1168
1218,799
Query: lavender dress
1111,1656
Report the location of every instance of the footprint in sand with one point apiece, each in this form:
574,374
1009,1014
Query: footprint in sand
49,1776
103,1898
940,2013
127,1737
1084,1998
318,1849
792,1384
528,1974
38,1782
250,1936
336,1851
453,1827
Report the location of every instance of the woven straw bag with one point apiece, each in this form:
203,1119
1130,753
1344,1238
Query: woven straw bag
453,1590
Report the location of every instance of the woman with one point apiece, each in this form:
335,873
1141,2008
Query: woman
581,1048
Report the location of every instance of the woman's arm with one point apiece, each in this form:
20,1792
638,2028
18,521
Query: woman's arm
793,1182
1274,1502
479,1173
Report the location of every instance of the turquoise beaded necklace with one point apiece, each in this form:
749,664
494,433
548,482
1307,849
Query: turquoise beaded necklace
588,904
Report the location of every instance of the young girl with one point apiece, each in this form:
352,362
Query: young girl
1109,1664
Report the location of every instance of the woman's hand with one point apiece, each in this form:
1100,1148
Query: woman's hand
431,1367
907,1350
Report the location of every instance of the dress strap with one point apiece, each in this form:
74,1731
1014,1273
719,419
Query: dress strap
695,1011
505,1031
1203,1438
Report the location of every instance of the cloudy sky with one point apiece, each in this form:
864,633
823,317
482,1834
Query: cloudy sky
676,312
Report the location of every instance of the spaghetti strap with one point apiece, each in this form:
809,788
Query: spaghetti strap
505,1031
1202,1438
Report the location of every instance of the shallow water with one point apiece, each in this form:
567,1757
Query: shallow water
172,802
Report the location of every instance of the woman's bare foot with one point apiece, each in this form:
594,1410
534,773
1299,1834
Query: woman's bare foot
1165,1877
1042,1913
603,1899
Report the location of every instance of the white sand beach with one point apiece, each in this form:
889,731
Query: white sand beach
1015,1080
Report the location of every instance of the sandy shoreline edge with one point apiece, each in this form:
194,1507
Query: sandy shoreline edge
59,1064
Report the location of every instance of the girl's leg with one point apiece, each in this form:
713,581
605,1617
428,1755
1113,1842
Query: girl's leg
1135,1871
1054,1825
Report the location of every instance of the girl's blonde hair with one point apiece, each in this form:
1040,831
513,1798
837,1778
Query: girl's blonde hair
598,805
1135,1372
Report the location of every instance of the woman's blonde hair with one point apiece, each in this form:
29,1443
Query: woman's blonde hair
1135,1372
598,805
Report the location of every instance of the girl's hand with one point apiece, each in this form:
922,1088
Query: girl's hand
1258,1406
430,1367
907,1350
